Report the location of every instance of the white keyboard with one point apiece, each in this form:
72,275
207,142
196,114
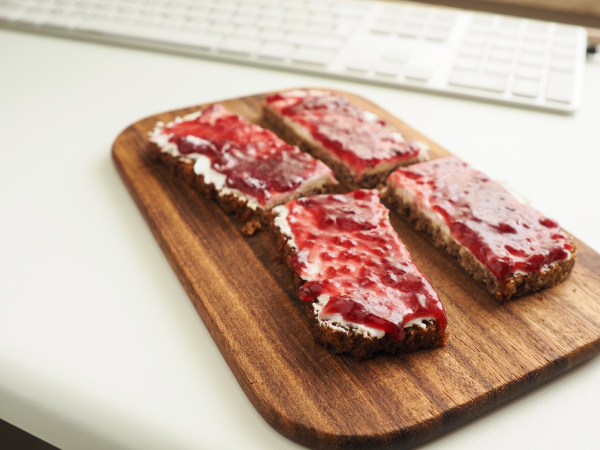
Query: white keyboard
485,56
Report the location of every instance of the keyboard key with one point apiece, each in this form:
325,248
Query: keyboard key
386,20
311,55
506,33
344,13
501,55
320,42
275,50
343,28
504,43
558,44
471,52
526,88
272,15
321,24
566,54
537,27
418,12
473,80
193,10
560,87
298,26
565,40
475,41
239,45
447,18
272,35
531,60
534,48
419,73
409,29
533,37
464,78
396,55
246,31
359,65
294,16
388,69
479,31
561,65
509,23
529,73
469,64
249,21
490,82
383,29
193,24
483,20
221,29
437,34
566,32
497,68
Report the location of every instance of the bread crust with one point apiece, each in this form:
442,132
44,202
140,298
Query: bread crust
516,285
371,178
346,340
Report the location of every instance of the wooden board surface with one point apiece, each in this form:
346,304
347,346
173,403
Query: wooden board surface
246,300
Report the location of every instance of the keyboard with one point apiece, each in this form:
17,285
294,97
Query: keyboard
476,55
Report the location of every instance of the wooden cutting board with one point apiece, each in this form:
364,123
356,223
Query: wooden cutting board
245,298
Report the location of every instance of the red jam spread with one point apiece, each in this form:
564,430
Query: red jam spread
359,139
348,251
504,234
254,160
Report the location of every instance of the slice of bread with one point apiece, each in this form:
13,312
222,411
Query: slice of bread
499,241
363,292
246,168
360,147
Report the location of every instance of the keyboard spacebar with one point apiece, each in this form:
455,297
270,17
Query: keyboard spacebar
205,41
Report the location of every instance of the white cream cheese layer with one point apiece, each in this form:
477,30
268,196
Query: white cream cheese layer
281,212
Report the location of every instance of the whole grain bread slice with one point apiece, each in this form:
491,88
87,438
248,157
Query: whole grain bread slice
344,337
516,284
296,134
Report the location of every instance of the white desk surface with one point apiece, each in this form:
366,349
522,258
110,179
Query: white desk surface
100,346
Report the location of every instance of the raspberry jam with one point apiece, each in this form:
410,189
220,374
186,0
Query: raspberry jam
356,137
504,234
254,160
349,252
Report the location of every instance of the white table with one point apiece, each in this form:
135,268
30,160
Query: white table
100,346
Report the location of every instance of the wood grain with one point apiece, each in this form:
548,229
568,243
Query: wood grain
244,296
578,12
583,7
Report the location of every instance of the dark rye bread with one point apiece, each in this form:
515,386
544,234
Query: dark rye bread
371,178
516,285
352,342
252,219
